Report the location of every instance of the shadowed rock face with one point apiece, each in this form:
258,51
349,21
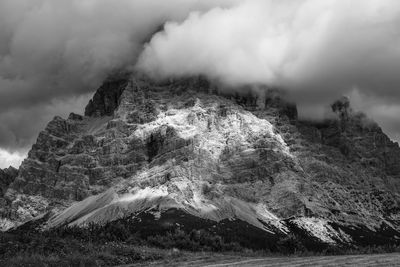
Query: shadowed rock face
189,146
106,100
7,176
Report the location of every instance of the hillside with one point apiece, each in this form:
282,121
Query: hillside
190,154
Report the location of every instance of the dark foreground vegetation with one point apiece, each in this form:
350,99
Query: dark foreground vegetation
120,242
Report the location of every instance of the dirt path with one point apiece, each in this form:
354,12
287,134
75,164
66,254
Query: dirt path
330,261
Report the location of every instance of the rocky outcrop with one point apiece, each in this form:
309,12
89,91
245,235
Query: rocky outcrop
106,99
7,176
359,139
188,145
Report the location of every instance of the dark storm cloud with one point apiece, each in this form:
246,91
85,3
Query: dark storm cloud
27,120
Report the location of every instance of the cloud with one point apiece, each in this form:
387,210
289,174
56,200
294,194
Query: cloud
318,49
52,51
381,110
8,159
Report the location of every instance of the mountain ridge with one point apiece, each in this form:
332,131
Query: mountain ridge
145,146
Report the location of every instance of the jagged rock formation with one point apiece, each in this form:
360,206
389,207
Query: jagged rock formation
7,176
107,97
185,145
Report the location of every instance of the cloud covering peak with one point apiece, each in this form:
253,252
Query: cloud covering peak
318,50
309,44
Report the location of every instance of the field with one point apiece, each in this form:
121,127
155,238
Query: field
224,260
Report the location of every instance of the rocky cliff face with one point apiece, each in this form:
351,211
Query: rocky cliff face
184,145
7,176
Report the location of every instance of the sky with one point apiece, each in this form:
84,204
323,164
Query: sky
55,53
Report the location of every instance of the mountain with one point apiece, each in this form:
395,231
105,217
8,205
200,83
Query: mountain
189,153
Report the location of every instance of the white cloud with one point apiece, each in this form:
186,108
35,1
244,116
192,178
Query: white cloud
11,159
318,45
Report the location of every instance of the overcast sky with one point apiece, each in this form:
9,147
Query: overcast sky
54,53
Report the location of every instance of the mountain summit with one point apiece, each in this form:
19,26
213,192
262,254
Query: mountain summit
187,154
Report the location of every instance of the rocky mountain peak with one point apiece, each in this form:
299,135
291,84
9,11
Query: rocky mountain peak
342,106
358,139
190,145
106,98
